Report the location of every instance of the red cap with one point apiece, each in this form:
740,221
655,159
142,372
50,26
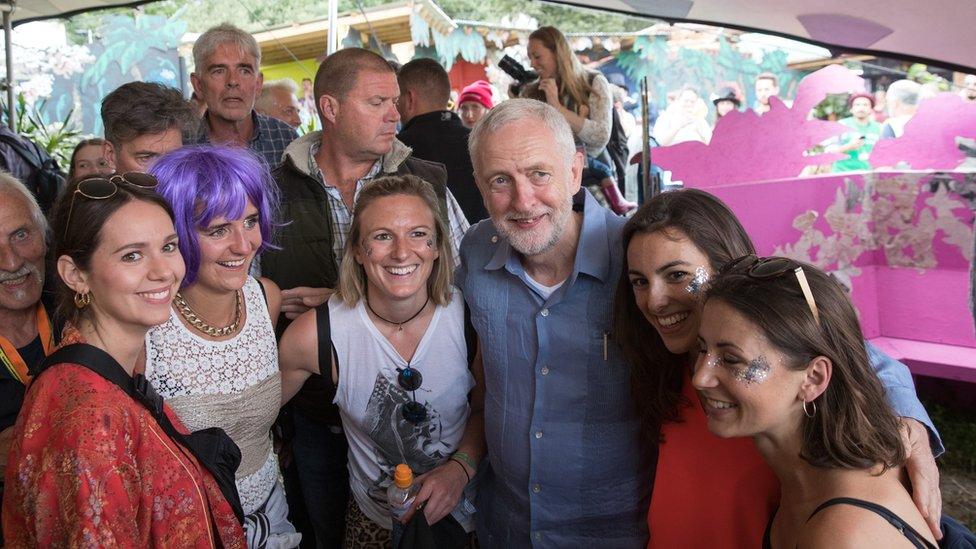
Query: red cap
479,92
859,95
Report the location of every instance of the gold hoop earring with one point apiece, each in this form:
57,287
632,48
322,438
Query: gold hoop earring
807,412
82,300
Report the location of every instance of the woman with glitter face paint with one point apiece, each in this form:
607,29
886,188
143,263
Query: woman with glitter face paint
713,492
781,359
401,367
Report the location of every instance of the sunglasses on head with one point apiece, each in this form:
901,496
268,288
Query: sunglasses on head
410,380
101,188
764,268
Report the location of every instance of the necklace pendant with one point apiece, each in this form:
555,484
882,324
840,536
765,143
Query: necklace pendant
400,328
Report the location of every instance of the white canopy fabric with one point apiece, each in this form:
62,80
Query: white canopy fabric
937,32
33,10
932,31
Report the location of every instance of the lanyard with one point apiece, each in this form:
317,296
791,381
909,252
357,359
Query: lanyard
12,360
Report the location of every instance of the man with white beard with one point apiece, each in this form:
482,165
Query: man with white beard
538,278
26,334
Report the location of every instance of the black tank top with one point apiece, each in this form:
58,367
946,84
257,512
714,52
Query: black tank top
906,530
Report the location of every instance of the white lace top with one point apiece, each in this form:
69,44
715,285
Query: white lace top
232,384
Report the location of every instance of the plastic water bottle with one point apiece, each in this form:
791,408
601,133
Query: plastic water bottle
400,496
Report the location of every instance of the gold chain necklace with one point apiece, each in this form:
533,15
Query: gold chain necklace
191,317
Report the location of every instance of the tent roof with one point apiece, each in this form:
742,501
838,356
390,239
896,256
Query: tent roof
932,31
936,32
26,11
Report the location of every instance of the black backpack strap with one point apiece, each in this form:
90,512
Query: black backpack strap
137,387
906,530
327,353
94,359
264,293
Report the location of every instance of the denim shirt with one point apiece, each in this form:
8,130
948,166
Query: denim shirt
900,392
564,462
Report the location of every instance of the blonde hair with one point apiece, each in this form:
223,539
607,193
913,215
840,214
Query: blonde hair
573,79
352,276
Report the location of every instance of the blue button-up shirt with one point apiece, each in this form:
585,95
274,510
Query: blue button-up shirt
564,459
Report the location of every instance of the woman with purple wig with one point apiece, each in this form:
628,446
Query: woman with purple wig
215,360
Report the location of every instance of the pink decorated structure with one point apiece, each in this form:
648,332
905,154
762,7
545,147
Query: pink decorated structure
901,240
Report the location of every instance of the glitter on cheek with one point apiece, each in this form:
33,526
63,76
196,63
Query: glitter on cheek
697,283
755,372
713,361
430,243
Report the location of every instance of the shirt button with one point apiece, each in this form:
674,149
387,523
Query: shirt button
538,434
545,312
536,488
494,239
545,370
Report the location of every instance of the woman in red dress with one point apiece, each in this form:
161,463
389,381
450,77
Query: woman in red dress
90,466
710,492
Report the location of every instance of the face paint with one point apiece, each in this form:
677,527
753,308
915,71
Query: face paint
755,372
712,361
430,243
698,283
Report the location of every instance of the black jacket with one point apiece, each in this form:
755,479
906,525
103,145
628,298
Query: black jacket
439,136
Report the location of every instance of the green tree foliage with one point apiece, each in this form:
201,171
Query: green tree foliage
669,68
257,15
564,18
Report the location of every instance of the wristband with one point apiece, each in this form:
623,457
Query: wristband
465,458
461,465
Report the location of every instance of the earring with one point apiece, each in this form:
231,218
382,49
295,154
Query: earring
808,412
82,300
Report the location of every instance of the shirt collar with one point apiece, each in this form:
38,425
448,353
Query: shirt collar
261,126
592,250
315,171
203,131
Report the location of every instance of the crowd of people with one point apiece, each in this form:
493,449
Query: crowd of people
223,334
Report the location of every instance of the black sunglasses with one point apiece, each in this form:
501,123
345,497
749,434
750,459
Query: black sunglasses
101,188
762,268
410,380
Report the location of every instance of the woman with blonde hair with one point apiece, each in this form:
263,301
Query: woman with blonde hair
396,355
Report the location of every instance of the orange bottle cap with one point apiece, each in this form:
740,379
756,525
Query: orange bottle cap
403,476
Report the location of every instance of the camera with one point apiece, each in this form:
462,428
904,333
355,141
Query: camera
515,69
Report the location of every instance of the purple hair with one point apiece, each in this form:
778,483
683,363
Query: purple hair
204,182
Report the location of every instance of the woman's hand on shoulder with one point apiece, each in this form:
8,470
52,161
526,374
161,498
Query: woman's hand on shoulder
272,294
923,472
